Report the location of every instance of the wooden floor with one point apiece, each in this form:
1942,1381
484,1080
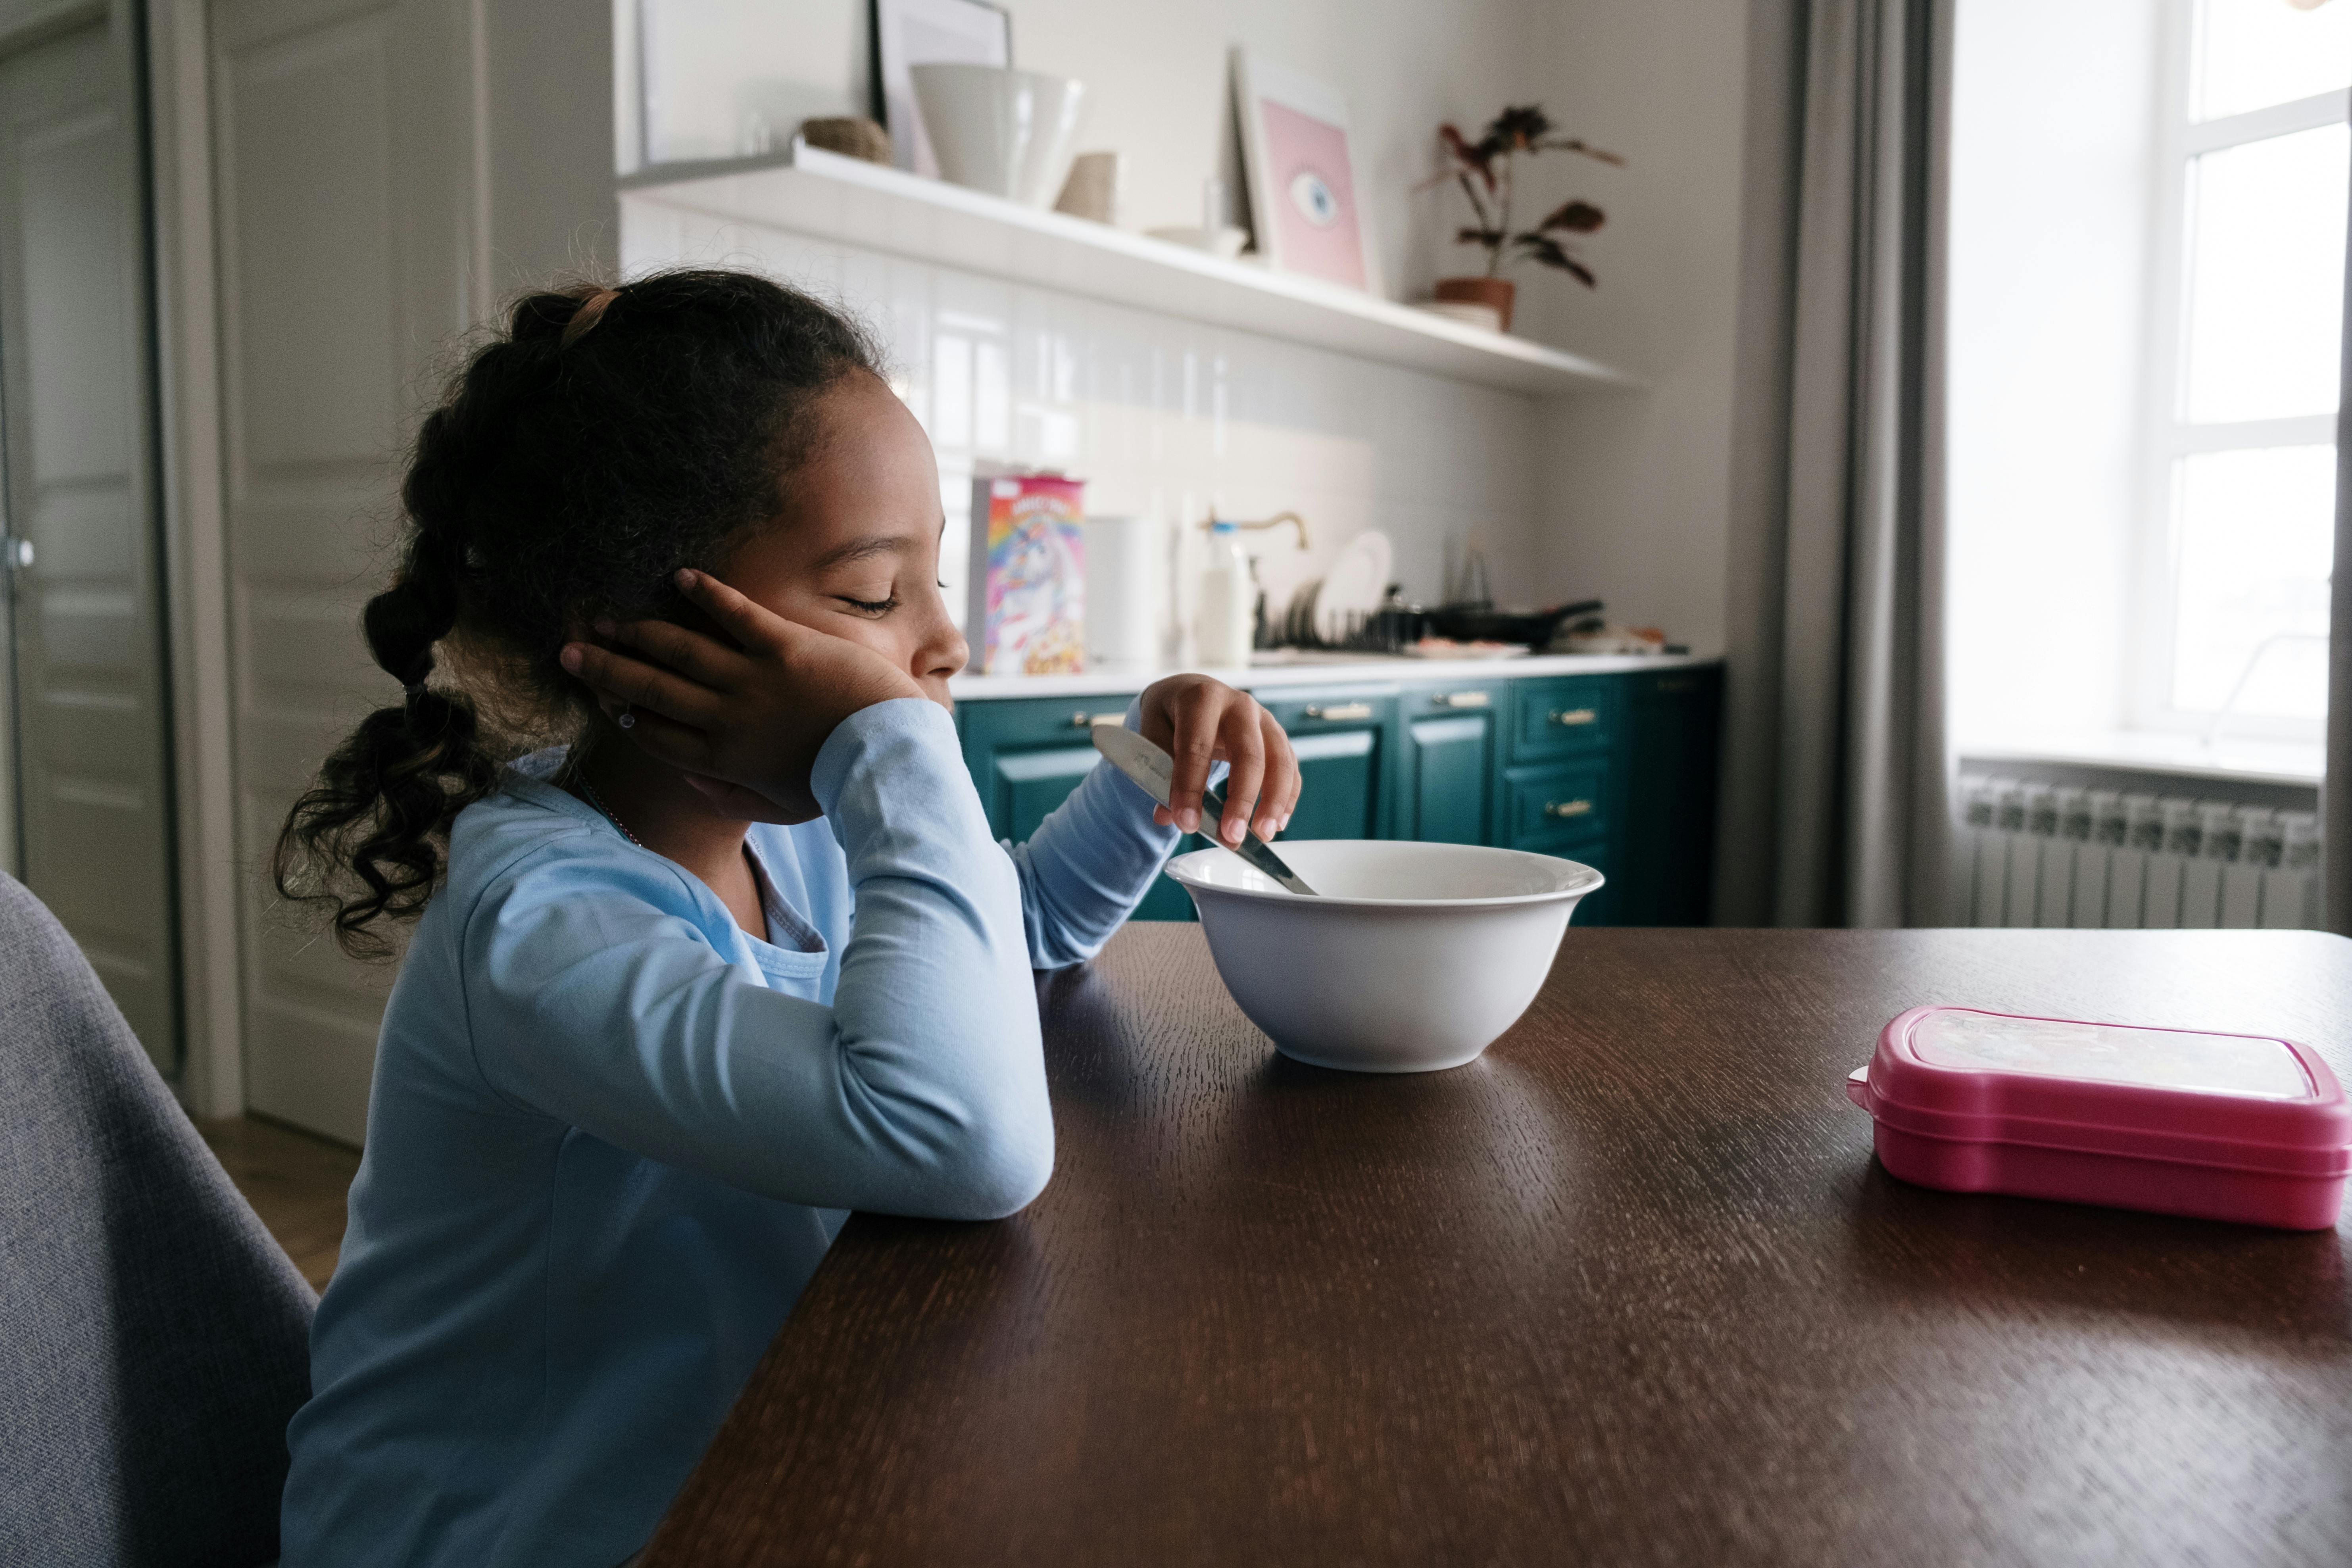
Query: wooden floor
294,1182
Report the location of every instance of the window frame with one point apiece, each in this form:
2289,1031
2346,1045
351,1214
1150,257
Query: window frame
2167,434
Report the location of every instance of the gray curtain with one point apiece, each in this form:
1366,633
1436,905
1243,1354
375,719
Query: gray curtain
2335,788
1838,799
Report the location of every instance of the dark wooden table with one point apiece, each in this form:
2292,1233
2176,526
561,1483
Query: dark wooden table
1629,1288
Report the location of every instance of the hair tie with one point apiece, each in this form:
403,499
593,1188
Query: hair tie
592,310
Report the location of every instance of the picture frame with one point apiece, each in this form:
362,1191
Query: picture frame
927,32
1305,178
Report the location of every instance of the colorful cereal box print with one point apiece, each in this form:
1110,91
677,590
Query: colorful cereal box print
1029,576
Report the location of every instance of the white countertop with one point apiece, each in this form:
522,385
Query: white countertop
1286,667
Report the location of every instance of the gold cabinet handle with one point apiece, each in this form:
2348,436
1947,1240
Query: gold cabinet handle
1341,711
1575,716
1461,699
1568,808
1088,720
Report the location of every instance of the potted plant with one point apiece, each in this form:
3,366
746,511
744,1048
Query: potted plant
1484,169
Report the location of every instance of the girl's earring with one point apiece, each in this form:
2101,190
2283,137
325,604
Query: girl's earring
624,719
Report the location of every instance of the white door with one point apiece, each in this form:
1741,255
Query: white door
92,819
342,156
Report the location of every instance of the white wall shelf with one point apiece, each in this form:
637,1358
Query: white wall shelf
807,191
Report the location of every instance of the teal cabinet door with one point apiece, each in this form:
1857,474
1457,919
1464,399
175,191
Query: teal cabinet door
1445,790
1345,740
1673,720
1566,809
1025,756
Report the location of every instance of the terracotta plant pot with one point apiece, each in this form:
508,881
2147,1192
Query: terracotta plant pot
1494,292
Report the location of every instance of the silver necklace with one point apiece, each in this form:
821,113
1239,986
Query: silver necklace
598,802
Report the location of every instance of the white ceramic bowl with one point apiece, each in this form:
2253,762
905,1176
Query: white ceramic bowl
1008,133
1412,958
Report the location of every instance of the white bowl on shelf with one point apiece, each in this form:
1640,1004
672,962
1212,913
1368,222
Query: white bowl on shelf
1009,133
1412,958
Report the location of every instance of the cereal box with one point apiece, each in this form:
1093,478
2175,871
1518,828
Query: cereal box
1027,614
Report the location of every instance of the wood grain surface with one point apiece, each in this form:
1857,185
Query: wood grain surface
1629,1289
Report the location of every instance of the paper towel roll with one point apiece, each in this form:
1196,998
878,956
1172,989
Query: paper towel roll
1122,581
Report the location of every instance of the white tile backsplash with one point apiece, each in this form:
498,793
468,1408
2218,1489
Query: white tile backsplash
1162,417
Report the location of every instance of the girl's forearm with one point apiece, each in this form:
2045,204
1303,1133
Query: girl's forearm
920,1090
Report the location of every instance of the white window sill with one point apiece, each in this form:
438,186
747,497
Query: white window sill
2158,751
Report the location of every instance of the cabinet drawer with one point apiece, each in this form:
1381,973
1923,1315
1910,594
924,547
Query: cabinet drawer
1563,717
1552,805
1037,721
1321,711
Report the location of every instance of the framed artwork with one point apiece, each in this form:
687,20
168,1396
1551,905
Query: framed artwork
1306,190
923,33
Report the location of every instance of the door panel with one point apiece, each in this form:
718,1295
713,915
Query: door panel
1339,786
1675,718
1448,776
1344,739
91,767
342,141
1028,785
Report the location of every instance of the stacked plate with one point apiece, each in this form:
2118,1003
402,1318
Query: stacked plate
1327,610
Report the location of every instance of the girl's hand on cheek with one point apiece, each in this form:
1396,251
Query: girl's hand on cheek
1198,721
752,717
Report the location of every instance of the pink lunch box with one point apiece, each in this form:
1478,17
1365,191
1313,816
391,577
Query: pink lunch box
2234,1127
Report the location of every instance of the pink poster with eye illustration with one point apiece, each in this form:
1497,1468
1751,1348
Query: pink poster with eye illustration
1305,205
1312,196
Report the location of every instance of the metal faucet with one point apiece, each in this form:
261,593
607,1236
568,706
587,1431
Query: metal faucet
1277,521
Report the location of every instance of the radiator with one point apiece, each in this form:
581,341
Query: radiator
2051,855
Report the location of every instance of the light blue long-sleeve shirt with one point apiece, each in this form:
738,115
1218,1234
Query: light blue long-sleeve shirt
611,1134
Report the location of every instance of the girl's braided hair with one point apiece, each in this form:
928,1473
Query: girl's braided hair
604,438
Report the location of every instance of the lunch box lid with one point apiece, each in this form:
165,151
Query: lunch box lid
2245,1102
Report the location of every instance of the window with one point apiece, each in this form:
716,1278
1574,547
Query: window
2247,299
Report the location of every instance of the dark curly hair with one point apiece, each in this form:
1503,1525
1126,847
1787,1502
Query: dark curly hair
604,439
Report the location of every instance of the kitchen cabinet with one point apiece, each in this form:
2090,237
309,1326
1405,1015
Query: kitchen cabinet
1674,721
1344,739
1446,761
1024,757
1614,769
1026,754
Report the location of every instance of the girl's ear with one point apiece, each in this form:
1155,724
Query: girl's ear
680,611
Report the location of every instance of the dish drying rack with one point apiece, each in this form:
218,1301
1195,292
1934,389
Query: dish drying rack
1300,623
1394,627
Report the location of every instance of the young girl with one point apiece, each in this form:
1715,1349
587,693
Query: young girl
740,958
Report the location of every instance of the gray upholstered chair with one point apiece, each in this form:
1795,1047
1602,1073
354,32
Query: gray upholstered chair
153,1340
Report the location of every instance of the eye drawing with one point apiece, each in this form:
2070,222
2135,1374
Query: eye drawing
1311,194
